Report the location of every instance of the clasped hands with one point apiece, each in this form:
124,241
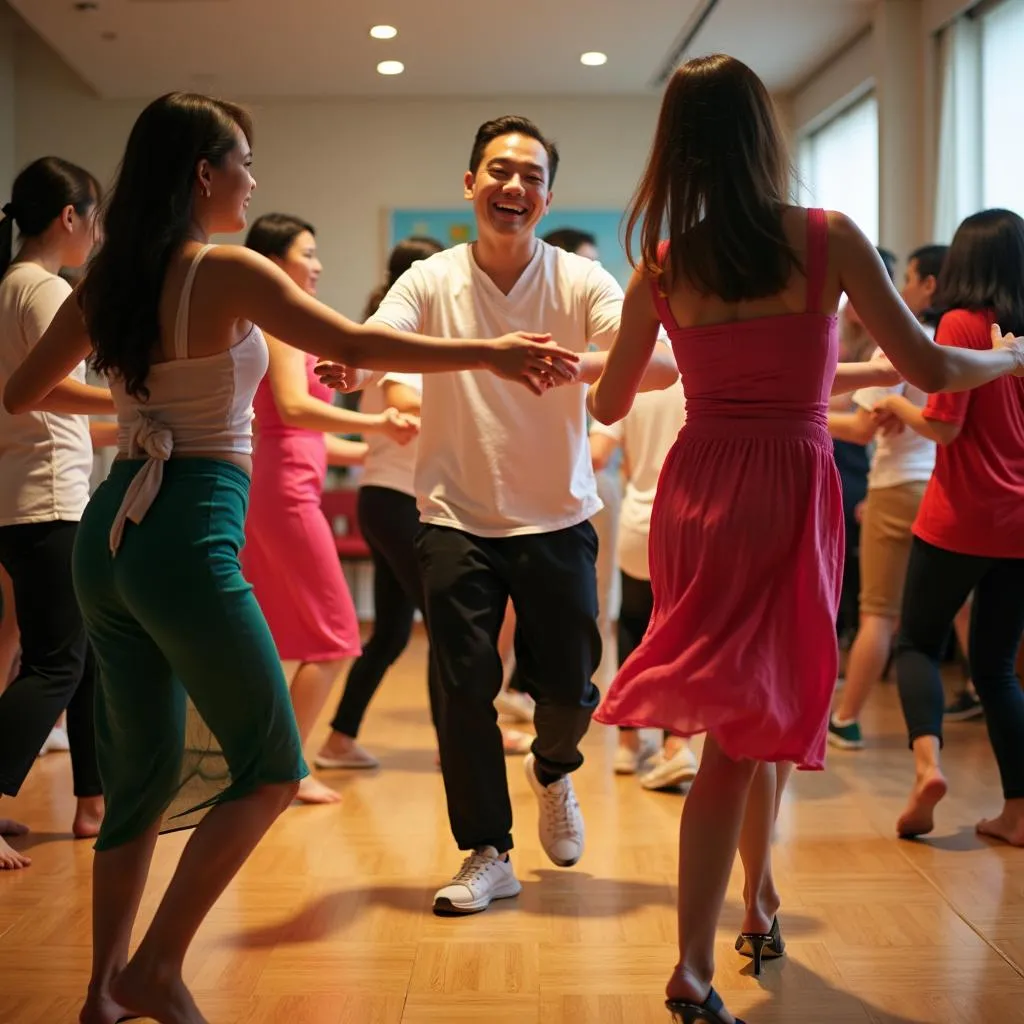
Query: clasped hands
532,360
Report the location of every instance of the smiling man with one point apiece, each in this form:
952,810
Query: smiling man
505,490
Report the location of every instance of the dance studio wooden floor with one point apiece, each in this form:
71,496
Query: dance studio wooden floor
330,922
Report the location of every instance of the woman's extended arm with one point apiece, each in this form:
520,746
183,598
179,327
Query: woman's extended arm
64,344
298,408
627,362
259,291
917,358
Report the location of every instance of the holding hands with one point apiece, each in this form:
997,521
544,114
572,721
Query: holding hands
400,427
529,359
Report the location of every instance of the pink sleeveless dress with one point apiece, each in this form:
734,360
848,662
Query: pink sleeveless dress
746,544
289,555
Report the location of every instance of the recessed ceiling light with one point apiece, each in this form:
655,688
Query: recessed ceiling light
390,67
383,31
594,59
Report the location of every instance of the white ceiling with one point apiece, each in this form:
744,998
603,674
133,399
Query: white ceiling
140,48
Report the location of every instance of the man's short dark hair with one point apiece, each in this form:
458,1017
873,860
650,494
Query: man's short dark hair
930,259
511,124
570,239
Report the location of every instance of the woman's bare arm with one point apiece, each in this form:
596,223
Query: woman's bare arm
915,356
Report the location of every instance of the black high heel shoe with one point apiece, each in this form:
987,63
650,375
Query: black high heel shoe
759,946
708,1012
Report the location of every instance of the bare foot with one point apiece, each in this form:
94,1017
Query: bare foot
103,1009
919,817
88,817
10,859
165,1000
313,791
1009,827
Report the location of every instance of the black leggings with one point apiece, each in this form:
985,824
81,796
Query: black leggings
938,582
634,617
57,670
389,521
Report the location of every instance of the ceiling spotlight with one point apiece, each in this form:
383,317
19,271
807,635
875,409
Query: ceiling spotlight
383,31
593,59
390,67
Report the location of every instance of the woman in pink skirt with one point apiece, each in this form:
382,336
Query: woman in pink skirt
746,545
289,555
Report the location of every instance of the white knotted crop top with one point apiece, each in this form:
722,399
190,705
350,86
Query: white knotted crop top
200,404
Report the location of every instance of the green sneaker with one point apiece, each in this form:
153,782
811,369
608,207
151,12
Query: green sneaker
846,736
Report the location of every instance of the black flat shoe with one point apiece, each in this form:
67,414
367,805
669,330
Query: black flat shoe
759,946
708,1012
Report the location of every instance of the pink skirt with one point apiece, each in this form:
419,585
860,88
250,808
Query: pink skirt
289,555
746,554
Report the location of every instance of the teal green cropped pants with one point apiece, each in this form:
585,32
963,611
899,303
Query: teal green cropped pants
192,704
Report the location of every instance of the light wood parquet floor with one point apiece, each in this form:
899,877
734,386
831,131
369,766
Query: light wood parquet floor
329,922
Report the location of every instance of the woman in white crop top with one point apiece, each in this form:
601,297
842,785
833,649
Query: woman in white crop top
179,637
46,457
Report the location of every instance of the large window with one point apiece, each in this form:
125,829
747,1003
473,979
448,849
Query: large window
839,165
1002,92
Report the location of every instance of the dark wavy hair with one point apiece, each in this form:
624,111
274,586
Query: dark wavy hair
403,256
984,269
718,179
145,221
273,234
39,194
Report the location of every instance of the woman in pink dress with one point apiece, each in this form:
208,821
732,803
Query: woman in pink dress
746,544
289,555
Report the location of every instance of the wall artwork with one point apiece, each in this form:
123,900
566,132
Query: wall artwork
453,226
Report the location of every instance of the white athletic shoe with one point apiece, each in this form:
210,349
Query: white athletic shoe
670,772
514,707
483,877
629,762
561,823
57,741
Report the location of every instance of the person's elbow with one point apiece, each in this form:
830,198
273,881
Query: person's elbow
662,371
14,400
943,432
606,410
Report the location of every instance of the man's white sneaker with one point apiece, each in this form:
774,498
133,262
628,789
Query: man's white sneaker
484,876
561,823
671,772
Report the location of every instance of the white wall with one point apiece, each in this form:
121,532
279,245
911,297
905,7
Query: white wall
343,163
8,27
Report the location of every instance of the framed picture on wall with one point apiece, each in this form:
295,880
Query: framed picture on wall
454,226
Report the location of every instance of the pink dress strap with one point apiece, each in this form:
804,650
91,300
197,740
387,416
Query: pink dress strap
817,257
660,299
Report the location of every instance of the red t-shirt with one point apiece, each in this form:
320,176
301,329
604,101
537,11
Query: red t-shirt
974,503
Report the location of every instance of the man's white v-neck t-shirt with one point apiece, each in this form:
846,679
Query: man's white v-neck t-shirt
494,459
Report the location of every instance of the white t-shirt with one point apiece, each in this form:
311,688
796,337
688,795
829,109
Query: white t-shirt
388,464
646,435
901,458
494,459
45,457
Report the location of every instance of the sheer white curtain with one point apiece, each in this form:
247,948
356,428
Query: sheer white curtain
1002,96
839,165
960,163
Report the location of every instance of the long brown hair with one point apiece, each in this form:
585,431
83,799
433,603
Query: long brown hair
718,179
145,220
